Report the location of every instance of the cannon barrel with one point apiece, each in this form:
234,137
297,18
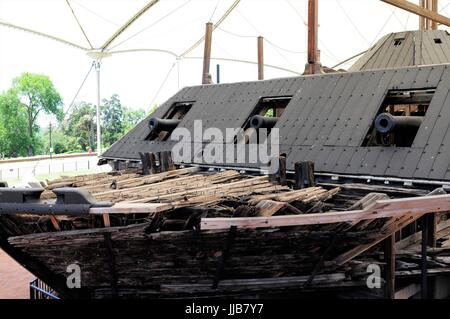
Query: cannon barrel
258,121
387,123
157,124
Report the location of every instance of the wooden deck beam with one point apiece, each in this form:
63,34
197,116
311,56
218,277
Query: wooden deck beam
380,209
131,208
390,256
414,8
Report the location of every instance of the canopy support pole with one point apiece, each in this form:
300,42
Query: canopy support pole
260,58
313,66
206,76
97,64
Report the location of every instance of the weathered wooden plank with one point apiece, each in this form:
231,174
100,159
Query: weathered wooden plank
443,229
418,272
55,222
408,291
386,231
389,256
106,220
251,284
304,175
381,209
131,208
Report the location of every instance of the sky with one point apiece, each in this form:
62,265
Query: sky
145,77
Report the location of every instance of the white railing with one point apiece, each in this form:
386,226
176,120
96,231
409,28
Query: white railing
50,169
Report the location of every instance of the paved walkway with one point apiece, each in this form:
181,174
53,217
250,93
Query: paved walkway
14,279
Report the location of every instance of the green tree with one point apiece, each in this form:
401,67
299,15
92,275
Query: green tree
152,109
80,128
113,120
37,94
14,140
132,117
61,143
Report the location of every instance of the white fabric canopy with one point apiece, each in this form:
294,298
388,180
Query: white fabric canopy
160,50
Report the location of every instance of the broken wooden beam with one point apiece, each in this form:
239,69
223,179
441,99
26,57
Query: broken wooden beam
55,222
432,220
381,209
131,208
270,208
144,161
170,163
408,291
106,220
282,170
163,162
443,229
424,262
152,163
304,175
279,176
390,228
389,256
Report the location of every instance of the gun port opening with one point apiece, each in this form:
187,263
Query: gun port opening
399,118
265,115
161,128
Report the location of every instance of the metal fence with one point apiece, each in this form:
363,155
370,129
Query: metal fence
50,168
40,290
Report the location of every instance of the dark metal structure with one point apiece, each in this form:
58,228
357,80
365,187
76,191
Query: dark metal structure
327,120
409,48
